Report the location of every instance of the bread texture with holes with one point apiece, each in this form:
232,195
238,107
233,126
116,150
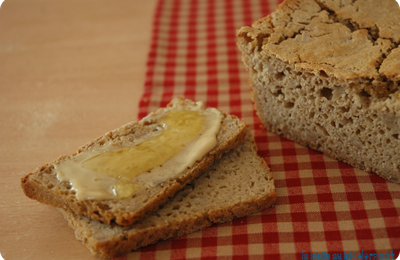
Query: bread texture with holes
237,185
44,186
326,75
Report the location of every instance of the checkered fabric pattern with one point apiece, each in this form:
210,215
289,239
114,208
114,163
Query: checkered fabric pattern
323,206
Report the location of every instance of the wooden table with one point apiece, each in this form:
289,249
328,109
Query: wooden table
69,72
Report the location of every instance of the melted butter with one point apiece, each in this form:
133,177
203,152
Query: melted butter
124,188
180,127
113,171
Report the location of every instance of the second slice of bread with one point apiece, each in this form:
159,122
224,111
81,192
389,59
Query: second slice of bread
44,186
237,185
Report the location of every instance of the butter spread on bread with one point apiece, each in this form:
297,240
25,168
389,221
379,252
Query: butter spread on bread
237,185
45,186
110,171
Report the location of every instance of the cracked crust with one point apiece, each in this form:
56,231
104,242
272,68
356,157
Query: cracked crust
326,74
43,185
237,185
351,40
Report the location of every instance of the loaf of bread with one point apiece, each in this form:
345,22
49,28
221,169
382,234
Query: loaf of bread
326,75
237,185
45,186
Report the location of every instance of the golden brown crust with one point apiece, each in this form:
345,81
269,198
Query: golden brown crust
43,185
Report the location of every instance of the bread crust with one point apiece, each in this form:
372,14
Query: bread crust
326,74
43,185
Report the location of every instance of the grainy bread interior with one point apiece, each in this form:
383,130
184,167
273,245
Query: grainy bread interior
326,74
237,185
44,186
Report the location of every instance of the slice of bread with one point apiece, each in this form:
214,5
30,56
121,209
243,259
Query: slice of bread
326,74
44,186
237,185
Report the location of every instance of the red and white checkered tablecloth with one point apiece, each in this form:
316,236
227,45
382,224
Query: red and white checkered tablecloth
323,206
